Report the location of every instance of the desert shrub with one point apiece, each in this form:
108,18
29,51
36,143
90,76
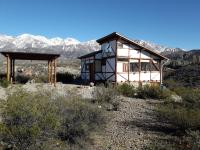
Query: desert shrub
182,118
66,77
41,79
106,95
127,90
152,91
27,118
4,83
191,97
171,84
168,143
193,139
31,121
22,79
82,118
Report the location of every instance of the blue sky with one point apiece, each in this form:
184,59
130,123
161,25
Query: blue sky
174,23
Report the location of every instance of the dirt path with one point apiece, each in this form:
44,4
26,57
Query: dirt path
132,127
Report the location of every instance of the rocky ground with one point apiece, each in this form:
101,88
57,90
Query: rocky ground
60,89
132,127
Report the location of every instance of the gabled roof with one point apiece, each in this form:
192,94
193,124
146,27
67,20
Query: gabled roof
120,36
90,54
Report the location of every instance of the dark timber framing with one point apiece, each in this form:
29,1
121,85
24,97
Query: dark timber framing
108,74
12,56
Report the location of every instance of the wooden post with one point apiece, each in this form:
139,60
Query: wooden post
129,65
8,68
161,72
140,68
13,70
116,49
49,71
54,72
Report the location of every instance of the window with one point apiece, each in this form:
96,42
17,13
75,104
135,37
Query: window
98,66
125,67
122,59
86,66
134,67
145,66
103,62
154,66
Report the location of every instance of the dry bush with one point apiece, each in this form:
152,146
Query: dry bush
106,95
4,83
32,120
153,92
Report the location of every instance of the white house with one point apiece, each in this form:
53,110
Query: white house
122,60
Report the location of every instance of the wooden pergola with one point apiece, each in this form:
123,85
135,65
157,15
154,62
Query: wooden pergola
12,56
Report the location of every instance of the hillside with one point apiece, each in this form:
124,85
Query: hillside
183,68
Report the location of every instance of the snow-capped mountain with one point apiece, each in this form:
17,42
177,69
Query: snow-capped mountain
68,47
159,48
32,41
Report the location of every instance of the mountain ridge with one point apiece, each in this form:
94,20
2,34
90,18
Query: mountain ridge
68,47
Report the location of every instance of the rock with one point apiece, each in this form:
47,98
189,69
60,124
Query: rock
31,81
176,98
91,84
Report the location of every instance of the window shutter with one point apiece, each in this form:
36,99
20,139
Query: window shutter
125,67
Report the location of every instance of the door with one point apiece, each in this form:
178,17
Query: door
91,68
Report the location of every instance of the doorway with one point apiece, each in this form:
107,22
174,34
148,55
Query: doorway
91,68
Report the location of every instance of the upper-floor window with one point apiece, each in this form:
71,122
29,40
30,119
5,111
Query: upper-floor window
145,66
134,67
125,67
155,66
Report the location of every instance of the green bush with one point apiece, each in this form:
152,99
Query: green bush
4,83
127,90
33,120
106,95
152,91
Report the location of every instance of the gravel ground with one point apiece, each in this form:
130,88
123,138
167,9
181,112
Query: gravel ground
131,128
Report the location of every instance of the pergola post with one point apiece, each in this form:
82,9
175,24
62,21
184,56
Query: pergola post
8,68
55,71
12,56
49,71
13,70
